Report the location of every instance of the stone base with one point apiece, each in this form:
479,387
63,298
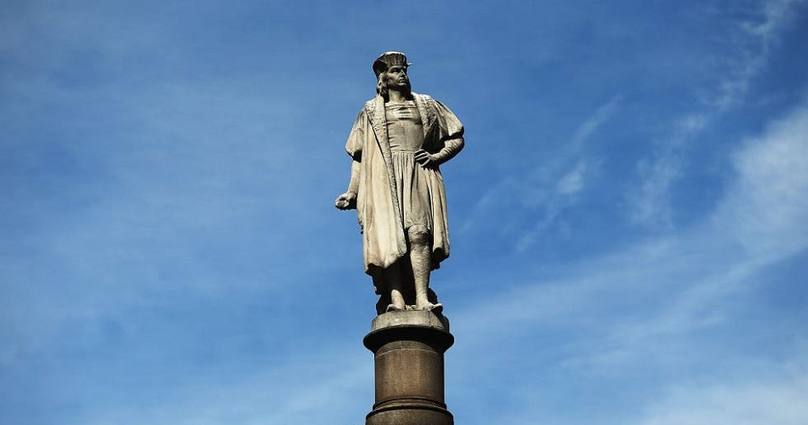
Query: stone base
408,349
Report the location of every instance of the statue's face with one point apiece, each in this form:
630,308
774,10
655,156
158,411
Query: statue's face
396,78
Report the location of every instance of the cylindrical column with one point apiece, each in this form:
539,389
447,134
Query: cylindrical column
408,349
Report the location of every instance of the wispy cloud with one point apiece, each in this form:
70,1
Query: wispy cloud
315,387
753,51
769,400
573,181
769,200
762,219
688,284
649,201
546,191
591,124
554,189
749,53
170,254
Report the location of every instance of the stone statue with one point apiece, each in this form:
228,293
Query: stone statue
397,144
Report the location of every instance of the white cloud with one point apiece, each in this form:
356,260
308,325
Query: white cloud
309,388
555,187
573,181
770,197
565,172
754,51
686,279
776,402
650,203
552,185
594,121
648,307
762,219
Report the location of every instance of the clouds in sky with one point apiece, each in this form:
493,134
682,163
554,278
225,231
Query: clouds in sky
628,217
660,304
745,403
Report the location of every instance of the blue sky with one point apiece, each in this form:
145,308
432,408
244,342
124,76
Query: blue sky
629,218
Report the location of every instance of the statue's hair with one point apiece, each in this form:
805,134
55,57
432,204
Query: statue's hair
381,86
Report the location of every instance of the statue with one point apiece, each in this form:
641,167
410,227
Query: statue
397,144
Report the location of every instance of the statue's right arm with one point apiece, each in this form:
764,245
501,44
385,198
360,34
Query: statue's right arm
347,200
353,147
353,185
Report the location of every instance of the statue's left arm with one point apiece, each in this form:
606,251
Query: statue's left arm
451,148
450,135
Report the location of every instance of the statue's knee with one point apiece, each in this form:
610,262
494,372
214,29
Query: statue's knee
418,235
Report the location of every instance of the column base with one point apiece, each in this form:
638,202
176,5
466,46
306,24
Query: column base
409,412
408,349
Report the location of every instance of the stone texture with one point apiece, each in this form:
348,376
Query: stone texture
408,348
410,318
397,145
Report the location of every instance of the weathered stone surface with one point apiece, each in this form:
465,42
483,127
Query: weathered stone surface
397,145
411,318
408,349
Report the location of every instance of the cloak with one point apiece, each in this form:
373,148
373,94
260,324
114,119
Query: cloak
378,200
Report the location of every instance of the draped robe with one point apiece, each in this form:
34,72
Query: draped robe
378,197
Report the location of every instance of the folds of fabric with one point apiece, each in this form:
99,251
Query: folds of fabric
394,191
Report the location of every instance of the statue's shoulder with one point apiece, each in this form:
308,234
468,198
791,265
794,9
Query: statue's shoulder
368,107
428,101
424,97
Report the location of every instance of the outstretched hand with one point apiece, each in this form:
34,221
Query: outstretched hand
346,201
425,159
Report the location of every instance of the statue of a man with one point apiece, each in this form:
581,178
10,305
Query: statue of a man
397,144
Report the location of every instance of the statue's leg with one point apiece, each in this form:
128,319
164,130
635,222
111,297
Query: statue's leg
394,280
421,260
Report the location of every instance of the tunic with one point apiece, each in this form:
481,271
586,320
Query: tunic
406,136
395,192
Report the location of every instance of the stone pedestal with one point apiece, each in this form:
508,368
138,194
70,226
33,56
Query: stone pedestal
408,349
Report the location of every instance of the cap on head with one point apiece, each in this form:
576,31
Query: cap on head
387,60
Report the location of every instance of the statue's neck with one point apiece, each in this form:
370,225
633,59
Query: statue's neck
398,96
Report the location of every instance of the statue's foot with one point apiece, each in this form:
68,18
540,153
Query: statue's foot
393,307
437,308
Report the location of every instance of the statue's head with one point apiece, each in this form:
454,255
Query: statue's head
391,73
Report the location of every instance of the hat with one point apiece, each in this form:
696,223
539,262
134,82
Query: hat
389,59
